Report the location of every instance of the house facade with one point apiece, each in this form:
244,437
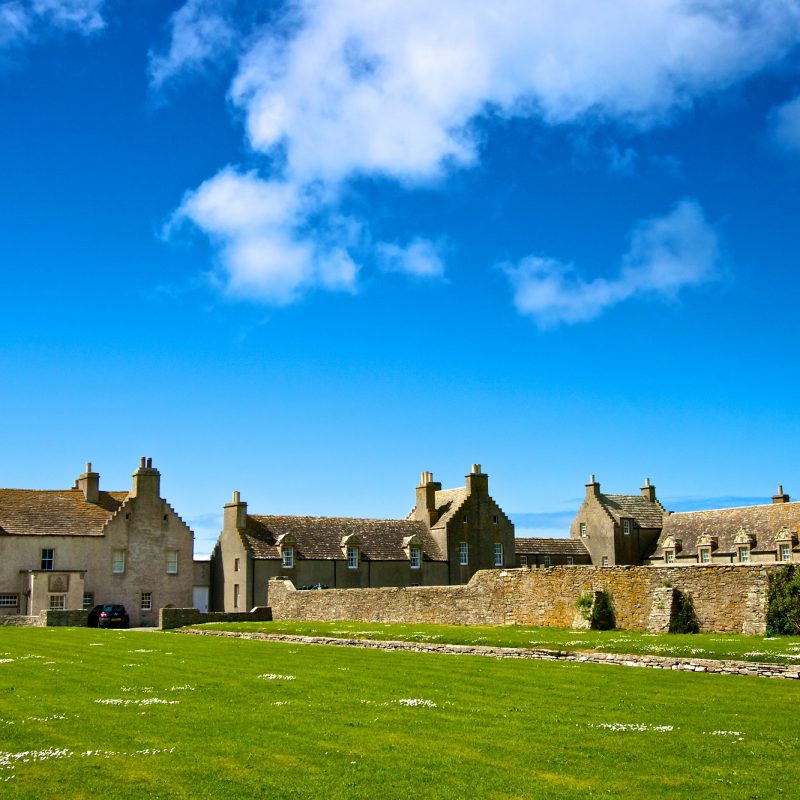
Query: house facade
448,536
75,548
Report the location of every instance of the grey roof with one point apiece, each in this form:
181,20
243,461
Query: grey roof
448,501
62,512
763,523
646,514
550,546
321,537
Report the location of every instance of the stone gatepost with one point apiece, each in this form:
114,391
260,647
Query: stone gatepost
662,609
755,613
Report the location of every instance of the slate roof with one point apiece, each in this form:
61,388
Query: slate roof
552,546
448,501
763,522
42,512
647,514
321,537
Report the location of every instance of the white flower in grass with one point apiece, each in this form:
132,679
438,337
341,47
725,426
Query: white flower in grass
631,727
417,703
272,676
6,660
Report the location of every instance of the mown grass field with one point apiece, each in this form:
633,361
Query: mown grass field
777,650
206,717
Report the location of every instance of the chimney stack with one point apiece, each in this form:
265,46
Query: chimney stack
780,497
146,480
477,481
648,491
593,487
89,484
235,513
425,508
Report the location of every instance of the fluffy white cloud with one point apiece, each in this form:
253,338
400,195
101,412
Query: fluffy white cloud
201,32
22,21
666,254
785,125
337,90
419,257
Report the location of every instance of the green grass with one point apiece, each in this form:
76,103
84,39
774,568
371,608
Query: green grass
500,728
778,650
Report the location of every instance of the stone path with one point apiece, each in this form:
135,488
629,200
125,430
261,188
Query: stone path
718,667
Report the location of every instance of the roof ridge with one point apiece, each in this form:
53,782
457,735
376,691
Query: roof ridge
736,508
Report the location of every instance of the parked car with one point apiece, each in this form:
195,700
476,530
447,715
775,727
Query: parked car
113,616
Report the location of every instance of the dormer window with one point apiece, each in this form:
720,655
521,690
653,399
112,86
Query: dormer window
669,556
743,552
705,555
785,552
415,557
352,557
287,556
626,527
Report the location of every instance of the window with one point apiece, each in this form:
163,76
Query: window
547,561
118,561
9,600
523,560
58,602
495,520
147,601
669,556
626,527
786,552
605,561
415,556
352,557
583,528
172,562
236,595
744,554
705,556
498,554
466,518
88,600
287,554
235,564
570,561
463,554
48,557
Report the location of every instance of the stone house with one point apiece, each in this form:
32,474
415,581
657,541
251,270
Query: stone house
618,528
75,548
550,552
448,536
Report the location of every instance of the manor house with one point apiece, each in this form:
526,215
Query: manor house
73,548
447,537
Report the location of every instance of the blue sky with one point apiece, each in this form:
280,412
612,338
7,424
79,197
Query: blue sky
307,250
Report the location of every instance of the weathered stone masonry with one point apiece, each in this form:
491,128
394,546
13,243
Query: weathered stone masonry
726,598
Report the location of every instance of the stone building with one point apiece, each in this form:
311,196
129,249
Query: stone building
550,552
448,536
74,548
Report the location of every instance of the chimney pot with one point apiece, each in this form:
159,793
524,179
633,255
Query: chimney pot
236,497
88,466
149,463
476,468
141,463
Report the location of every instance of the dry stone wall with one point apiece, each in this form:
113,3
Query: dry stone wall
178,617
726,598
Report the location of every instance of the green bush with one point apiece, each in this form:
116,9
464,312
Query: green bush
685,620
602,618
584,604
783,606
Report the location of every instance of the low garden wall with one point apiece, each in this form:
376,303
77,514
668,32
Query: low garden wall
178,617
726,598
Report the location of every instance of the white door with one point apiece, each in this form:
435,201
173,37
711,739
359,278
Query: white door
200,598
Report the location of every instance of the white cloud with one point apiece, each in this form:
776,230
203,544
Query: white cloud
420,258
24,21
201,32
399,89
785,125
665,255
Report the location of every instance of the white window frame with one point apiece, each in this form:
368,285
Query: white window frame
785,552
353,556
118,559
626,527
6,600
498,554
463,554
287,556
523,559
172,562
669,556
570,561
743,552
582,529
548,562
705,555
48,561
415,557
146,601
604,561
58,602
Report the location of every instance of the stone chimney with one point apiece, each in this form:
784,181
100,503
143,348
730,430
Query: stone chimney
89,484
477,481
235,514
648,491
593,487
146,480
425,509
780,497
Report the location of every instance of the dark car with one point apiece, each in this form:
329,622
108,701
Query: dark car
112,616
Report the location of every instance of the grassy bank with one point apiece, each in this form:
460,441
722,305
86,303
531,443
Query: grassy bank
780,650
116,714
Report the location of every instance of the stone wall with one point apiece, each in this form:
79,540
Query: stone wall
17,621
726,598
178,617
63,619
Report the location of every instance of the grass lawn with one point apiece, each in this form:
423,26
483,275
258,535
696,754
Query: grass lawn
778,650
205,717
